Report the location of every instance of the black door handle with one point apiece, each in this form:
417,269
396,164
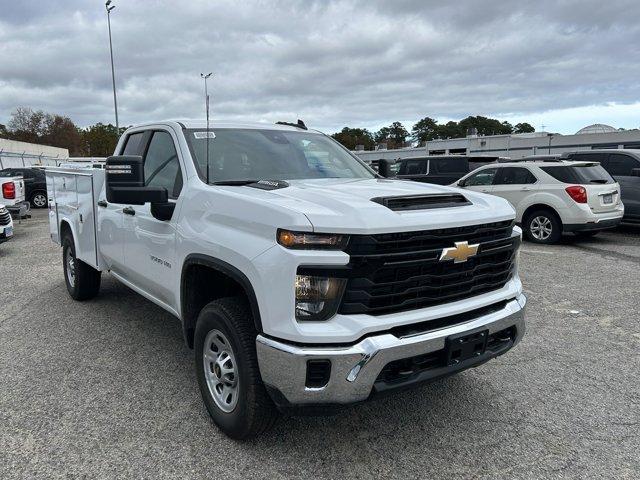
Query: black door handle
128,211
102,203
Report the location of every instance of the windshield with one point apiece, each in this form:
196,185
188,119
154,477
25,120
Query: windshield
252,154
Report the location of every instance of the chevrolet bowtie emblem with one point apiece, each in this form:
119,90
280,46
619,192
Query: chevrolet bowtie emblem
460,253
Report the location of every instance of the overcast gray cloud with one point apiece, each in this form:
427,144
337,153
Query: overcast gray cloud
332,63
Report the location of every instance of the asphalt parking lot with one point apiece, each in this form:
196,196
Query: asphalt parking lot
106,388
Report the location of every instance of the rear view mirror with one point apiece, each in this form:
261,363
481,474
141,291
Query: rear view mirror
385,167
124,181
635,172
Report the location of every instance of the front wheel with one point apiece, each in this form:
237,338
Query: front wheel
227,369
83,281
543,226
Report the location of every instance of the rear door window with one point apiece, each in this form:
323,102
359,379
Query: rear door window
621,165
514,176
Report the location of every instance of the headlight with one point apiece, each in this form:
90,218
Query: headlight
311,241
317,298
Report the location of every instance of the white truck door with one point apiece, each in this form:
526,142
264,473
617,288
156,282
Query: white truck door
150,244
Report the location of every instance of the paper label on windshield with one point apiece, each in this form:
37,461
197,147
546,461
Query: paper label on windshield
200,135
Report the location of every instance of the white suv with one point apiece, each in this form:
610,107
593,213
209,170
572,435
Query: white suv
552,196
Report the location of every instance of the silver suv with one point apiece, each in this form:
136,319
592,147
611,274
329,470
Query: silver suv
552,196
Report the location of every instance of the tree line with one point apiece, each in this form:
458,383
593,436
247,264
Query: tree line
397,136
99,140
27,125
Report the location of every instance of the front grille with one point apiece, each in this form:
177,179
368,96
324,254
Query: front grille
5,218
395,272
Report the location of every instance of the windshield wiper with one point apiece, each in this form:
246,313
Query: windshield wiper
598,181
234,182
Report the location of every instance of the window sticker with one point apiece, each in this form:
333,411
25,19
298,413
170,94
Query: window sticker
200,135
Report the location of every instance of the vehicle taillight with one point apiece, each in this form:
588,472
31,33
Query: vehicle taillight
578,193
9,190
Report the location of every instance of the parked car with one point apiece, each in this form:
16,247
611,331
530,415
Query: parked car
439,169
301,279
553,196
624,167
6,224
35,184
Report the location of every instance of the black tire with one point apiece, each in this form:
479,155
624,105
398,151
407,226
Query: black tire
547,218
254,412
587,234
38,200
84,282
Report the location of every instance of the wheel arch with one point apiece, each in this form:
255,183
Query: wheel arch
541,206
229,281
66,227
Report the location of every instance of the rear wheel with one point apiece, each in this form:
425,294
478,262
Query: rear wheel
543,226
38,200
83,281
227,369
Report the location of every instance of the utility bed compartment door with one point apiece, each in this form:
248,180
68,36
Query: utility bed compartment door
86,241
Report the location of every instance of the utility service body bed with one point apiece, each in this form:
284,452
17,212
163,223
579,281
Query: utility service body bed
72,195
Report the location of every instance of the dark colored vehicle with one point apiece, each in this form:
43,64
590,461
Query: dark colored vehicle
624,167
35,184
441,170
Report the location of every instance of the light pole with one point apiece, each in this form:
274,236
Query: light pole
205,77
113,75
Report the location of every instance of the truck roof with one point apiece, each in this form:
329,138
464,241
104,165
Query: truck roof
185,123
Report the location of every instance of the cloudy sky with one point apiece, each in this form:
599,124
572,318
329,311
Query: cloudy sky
361,63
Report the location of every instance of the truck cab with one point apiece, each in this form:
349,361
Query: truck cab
302,279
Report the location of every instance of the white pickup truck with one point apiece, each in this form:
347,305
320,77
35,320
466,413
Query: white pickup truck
303,280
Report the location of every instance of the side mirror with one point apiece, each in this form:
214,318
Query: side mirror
124,181
635,172
461,183
385,167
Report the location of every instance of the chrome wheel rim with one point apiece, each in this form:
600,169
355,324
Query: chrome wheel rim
541,227
70,261
220,370
39,200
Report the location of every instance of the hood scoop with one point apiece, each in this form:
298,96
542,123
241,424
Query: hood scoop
423,202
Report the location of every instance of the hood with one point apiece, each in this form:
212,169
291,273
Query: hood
346,206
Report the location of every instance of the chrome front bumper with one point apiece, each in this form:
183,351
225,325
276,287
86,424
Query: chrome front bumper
355,368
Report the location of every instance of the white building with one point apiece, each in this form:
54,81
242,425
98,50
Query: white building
517,145
23,154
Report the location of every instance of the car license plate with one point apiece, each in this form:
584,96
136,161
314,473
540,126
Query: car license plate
463,347
8,232
608,198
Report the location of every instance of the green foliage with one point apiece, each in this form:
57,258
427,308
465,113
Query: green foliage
394,135
350,137
101,140
523,128
428,128
424,130
27,125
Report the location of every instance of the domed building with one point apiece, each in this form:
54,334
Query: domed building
596,128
